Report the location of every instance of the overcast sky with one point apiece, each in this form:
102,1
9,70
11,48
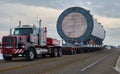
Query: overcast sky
106,12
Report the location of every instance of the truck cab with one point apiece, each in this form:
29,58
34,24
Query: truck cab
36,36
29,41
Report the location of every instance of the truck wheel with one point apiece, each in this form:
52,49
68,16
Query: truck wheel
59,52
54,52
30,54
7,58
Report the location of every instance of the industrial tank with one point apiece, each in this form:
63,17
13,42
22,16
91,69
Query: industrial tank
77,25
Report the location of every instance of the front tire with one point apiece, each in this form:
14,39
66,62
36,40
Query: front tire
7,58
30,54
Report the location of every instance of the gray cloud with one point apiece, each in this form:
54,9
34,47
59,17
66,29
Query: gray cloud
109,8
4,27
46,3
112,36
113,32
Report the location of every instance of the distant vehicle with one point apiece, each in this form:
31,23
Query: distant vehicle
30,41
108,47
118,47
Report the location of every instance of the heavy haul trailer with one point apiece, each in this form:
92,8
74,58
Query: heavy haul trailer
80,31
29,41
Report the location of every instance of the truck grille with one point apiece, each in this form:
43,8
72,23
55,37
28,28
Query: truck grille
9,42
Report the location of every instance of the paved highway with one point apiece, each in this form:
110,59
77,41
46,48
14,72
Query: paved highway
101,62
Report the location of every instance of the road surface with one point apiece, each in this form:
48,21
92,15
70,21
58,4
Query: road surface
101,62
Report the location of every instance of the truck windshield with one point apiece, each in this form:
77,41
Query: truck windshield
23,31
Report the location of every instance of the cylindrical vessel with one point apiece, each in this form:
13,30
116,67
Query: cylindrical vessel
77,25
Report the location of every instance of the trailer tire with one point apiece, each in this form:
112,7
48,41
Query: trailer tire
54,52
7,58
59,52
30,54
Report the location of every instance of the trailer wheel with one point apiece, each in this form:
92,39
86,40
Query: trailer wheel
59,52
54,52
7,58
30,54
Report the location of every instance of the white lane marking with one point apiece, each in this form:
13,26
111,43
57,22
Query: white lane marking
97,61
94,63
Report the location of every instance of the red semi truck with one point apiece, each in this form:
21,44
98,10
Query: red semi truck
29,41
